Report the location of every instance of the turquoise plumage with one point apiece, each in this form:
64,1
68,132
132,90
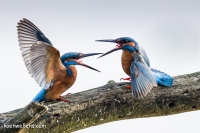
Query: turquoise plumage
136,64
54,73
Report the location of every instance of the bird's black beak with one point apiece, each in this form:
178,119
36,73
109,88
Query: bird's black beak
79,62
113,41
115,49
90,54
107,40
82,64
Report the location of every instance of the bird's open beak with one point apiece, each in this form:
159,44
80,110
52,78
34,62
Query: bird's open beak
79,62
82,64
113,41
115,49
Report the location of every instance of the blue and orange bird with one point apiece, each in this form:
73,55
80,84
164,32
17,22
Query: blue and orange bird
54,73
136,64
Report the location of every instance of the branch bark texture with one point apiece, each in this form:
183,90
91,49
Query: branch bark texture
23,118
113,102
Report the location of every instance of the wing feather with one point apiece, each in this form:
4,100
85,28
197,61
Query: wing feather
40,57
44,60
28,35
32,25
22,26
24,31
142,91
142,79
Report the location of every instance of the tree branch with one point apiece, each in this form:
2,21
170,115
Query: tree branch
113,102
23,118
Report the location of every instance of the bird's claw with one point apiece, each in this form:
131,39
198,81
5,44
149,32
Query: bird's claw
62,99
125,79
128,87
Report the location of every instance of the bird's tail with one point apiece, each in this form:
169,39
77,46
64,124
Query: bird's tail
40,96
162,78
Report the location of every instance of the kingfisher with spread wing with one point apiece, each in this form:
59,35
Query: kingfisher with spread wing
54,73
136,64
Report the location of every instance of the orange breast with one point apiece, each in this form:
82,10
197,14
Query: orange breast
62,83
126,60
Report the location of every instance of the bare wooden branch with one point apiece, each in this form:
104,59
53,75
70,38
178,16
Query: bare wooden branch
23,118
113,102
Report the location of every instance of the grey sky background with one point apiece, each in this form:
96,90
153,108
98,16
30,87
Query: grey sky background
168,30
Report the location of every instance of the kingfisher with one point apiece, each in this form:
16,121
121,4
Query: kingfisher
136,64
54,73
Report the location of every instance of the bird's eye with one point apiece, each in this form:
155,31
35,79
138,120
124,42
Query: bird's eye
80,55
118,40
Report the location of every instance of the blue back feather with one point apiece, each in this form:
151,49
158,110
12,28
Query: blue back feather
144,55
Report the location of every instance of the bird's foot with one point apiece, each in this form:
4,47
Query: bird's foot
62,99
126,79
128,87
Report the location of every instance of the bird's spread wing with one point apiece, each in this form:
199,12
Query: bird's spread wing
142,79
28,31
29,34
44,61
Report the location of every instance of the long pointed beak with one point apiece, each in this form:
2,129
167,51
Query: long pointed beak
115,49
107,40
82,64
90,54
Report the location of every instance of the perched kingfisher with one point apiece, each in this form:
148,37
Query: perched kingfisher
54,73
136,64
